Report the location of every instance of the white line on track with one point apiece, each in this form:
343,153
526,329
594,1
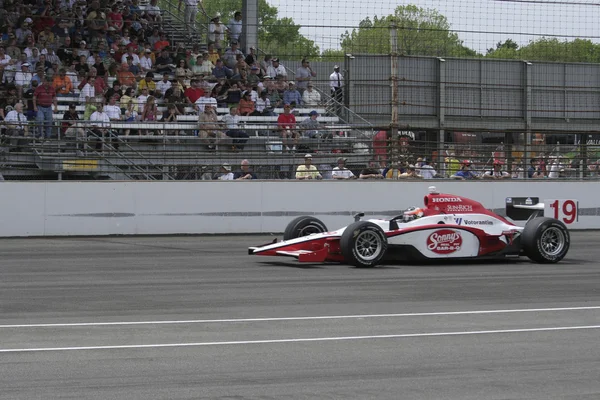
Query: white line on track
300,340
276,319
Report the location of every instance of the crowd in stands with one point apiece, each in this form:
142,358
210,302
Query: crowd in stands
116,59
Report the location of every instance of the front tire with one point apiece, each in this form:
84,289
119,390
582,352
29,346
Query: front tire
545,240
303,226
363,244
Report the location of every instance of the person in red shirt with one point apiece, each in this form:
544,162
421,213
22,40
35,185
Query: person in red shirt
286,123
44,97
194,92
247,105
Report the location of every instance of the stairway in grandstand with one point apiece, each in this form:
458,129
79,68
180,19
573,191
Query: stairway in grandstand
175,28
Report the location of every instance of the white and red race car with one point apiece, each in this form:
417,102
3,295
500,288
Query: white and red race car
447,227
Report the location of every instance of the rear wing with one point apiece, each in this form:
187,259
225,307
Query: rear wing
523,208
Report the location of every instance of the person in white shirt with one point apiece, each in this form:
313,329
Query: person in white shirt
226,174
276,69
134,57
341,172
112,109
216,31
23,79
88,92
16,121
231,122
99,118
426,170
141,99
263,105
164,85
311,97
146,61
496,172
205,100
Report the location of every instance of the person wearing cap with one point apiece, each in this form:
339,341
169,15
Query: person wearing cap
426,170
292,96
465,172
23,78
307,171
309,127
44,97
245,173
304,74
252,58
311,97
234,27
341,172
146,61
496,171
276,69
216,31
226,174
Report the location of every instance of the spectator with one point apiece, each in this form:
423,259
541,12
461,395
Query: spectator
245,173
336,83
311,97
115,90
142,98
274,97
253,79
206,99
182,70
291,96
230,57
126,77
189,14
162,44
62,83
163,85
153,13
115,18
147,83
234,28
239,136
213,54
221,71
69,118
10,100
150,110
23,79
263,105
205,65
146,61
16,122
410,173
280,84
226,174
534,171
112,109
372,172
246,106
276,69
208,128
252,60
44,97
465,172
216,31
426,170
100,123
310,126
307,170
341,172
496,172
303,75
286,123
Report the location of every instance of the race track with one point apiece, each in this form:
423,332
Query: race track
197,318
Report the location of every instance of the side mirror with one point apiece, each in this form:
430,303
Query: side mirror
358,216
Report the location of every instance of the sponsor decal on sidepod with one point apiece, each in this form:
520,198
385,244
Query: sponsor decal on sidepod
460,221
444,241
447,200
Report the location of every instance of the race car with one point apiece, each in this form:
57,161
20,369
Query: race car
446,227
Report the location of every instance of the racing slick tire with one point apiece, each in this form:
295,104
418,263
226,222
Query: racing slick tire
545,240
363,244
303,226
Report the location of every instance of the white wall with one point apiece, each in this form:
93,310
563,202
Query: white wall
129,208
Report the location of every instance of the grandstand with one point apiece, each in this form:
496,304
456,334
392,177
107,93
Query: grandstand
451,109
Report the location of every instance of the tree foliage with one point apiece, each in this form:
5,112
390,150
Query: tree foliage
277,36
420,31
544,49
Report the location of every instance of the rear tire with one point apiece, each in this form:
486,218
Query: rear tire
363,244
303,226
545,240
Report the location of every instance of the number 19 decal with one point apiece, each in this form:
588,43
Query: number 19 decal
564,210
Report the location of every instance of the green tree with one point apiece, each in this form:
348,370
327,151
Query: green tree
420,32
278,36
544,49
332,55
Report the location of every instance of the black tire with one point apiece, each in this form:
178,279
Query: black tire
303,226
545,240
363,244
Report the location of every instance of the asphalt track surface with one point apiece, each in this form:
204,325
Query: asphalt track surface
197,318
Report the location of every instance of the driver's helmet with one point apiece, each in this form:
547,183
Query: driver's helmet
412,213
